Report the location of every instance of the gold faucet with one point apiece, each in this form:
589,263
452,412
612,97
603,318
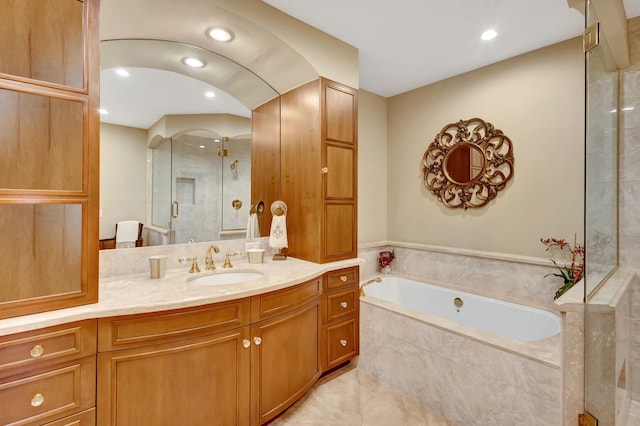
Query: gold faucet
227,261
366,283
208,260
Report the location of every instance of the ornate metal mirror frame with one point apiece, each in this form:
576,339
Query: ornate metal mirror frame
468,163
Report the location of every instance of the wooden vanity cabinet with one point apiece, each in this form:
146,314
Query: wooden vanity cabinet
318,151
48,376
49,130
285,354
233,363
340,317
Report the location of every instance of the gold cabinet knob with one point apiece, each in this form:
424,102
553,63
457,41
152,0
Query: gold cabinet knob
37,400
257,340
246,343
325,170
343,278
37,351
344,304
343,342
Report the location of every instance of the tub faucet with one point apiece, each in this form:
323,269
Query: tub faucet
366,283
208,260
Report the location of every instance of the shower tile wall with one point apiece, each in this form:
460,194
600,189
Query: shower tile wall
629,193
236,184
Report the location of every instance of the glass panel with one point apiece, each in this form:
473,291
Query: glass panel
601,170
196,186
161,185
236,175
41,250
42,142
43,40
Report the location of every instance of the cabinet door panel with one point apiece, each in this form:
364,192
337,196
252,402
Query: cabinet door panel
340,113
42,142
40,251
339,183
43,40
192,382
342,343
285,363
340,235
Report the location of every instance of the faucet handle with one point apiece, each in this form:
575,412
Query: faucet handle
194,263
227,261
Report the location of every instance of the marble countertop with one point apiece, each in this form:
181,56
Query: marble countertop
134,294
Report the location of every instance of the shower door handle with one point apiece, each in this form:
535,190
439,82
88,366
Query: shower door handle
175,209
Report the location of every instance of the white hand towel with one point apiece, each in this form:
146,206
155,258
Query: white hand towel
253,230
278,235
127,232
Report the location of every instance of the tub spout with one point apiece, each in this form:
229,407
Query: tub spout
366,283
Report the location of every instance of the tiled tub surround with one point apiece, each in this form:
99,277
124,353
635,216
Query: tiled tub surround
542,377
469,376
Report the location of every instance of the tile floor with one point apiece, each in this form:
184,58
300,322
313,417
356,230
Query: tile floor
349,397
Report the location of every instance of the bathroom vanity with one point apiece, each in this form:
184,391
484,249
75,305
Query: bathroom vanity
232,354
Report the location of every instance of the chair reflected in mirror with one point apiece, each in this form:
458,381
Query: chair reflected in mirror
128,234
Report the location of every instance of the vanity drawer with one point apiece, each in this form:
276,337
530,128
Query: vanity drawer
34,349
340,304
86,418
47,395
340,343
278,302
167,326
341,278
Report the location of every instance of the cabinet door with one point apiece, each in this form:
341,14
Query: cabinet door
284,361
49,131
199,381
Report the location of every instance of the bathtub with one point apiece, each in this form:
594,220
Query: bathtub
505,319
475,360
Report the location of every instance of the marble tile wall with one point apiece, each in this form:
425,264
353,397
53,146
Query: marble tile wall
629,191
516,279
464,380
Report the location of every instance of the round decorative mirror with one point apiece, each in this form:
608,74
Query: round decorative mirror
468,163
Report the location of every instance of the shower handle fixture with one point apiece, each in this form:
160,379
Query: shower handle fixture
234,165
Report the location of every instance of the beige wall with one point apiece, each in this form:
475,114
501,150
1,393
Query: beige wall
536,99
372,167
123,176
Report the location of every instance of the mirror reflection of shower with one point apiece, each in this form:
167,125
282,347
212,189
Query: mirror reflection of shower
194,183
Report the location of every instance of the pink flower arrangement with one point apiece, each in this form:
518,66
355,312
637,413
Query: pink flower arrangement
570,273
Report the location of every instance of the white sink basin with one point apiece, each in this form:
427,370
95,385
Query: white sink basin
219,278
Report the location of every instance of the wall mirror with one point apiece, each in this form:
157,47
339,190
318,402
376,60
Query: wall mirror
468,163
191,175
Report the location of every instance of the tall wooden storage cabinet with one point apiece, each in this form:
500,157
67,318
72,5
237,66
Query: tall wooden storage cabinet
49,154
319,138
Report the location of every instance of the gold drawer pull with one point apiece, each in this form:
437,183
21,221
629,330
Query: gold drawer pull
343,278
343,342
344,304
37,351
37,400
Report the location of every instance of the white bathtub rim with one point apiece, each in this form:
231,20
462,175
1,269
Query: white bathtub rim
546,351
451,286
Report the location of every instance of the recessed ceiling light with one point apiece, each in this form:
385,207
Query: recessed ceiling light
220,33
103,111
210,95
193,62
122,72
489,35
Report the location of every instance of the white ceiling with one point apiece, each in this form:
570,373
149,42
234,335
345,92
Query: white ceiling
405,44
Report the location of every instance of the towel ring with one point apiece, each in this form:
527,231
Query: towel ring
279,208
